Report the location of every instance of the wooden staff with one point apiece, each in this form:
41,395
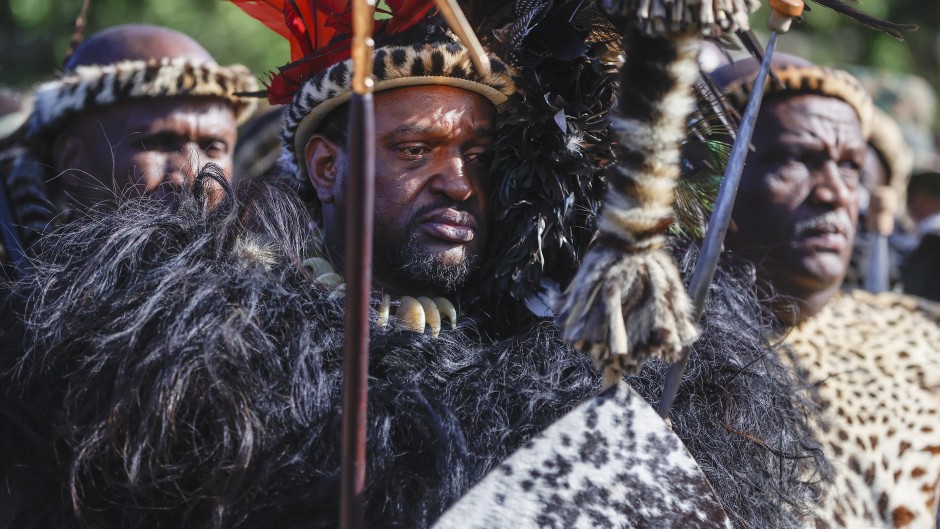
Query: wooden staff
457,21
880,223
359,215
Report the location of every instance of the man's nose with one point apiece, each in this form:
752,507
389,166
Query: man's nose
451,178
831,187
183,166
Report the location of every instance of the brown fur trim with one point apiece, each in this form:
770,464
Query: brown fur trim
99,86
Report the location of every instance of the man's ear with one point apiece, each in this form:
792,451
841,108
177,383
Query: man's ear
323,162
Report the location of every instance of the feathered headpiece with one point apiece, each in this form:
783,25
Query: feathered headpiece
320,33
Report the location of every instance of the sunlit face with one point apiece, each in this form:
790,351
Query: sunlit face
150,147
797,206
432,186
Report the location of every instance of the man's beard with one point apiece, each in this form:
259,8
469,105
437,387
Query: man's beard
424,268
411,263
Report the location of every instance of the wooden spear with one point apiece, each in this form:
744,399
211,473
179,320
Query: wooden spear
358,270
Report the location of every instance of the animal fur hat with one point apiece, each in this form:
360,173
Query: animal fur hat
93,86
796,77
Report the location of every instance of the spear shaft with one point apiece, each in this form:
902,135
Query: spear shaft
455,18
718,222
359,222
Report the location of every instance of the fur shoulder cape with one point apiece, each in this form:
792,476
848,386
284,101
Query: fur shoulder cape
178,368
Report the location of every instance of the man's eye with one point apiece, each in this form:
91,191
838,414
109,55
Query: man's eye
851,171
413,151
849,165
155,143
215,149
477,155
160,142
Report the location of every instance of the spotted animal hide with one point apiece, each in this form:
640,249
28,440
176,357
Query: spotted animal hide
612,462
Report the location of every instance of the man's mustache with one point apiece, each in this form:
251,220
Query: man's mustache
836,218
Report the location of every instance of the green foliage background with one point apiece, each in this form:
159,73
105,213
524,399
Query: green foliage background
831,39
827,37
34,34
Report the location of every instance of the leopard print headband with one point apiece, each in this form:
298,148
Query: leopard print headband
103,85
809,80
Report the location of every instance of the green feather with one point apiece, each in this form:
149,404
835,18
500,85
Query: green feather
705,155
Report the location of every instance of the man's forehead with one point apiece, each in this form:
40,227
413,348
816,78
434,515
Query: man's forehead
429,108
431,98
149,114
815,115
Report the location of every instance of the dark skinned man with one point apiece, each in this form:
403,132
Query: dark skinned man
797,210
434,183
921,272
872,358
137,110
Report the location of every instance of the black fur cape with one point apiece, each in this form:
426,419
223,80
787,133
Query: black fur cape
179,368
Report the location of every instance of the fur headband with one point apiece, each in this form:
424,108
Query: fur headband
809,80
441,62
103,85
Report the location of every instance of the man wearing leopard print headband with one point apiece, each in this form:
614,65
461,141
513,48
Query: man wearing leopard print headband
137,109
132,403
874,359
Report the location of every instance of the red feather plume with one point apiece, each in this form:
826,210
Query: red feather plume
319,32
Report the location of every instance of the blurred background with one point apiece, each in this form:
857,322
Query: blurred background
35,34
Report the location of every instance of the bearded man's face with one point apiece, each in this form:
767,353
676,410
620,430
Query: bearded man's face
432,187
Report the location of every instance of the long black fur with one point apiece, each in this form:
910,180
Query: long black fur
742,414
178,368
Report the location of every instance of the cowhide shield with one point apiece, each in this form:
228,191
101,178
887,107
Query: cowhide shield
612,462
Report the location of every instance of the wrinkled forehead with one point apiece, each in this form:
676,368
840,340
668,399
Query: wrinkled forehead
187,114
819,117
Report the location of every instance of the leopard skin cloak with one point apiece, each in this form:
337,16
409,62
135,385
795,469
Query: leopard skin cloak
875,361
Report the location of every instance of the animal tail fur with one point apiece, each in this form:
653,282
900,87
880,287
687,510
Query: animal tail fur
627,302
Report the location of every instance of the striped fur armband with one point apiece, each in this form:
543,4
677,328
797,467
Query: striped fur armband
627,302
